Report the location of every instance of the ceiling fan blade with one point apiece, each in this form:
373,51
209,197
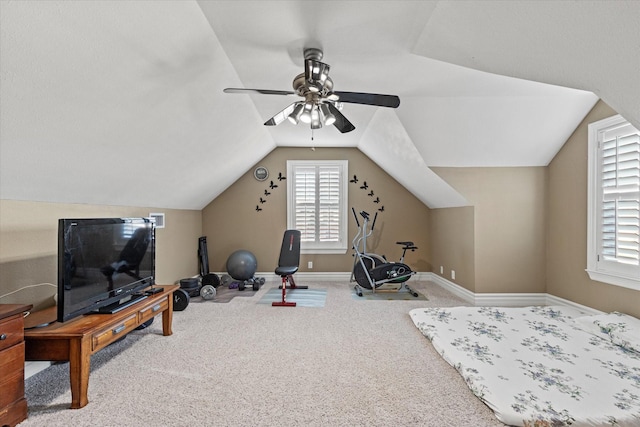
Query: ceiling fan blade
281,116
341,123
391,101
259,91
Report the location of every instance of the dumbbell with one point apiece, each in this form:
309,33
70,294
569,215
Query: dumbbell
254,282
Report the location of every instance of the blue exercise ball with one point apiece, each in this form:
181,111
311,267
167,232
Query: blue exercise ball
242,265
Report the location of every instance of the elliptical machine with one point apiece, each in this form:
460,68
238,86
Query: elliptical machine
370,271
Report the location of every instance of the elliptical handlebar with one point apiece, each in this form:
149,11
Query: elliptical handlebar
366,217
363,233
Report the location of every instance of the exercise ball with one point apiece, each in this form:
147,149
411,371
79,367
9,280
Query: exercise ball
242,265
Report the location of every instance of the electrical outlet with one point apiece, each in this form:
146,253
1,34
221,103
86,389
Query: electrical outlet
453,275
441,270
310,264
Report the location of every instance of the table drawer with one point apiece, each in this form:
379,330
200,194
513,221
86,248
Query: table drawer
115,331
12,374
149,312
11,332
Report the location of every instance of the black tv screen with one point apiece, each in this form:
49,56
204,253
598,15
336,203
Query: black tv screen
102,262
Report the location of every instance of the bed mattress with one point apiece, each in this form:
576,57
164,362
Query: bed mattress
542,366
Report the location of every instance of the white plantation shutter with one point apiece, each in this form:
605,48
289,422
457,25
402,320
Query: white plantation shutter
615,181
316,204
305,202
620,206
329,203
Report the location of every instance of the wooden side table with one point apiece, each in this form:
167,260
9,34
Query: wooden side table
13,405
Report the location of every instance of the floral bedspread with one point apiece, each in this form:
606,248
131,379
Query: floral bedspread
548,366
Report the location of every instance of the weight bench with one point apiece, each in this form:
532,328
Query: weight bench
288,264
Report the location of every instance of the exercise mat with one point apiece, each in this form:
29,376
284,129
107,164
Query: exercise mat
382,295
302,297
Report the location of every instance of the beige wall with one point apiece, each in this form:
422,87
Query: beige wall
29,245
231,222
525,231
452,243
509,225
567,232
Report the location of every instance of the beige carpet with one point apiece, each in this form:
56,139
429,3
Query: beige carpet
349,363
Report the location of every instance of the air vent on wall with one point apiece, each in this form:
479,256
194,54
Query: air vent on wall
158,219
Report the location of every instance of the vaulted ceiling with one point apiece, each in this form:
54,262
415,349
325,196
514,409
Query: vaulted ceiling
122,103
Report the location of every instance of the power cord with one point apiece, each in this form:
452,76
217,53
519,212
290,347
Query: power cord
27,287
26,313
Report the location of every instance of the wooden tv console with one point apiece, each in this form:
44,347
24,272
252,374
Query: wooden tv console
77,339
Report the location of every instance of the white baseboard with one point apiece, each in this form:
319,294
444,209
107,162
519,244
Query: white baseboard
510,300
554,300
491,299
457,290
506,299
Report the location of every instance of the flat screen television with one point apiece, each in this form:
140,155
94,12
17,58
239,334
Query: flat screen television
103,264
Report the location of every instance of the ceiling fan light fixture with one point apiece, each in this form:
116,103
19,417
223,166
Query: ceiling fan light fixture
327,117
294,117
305,116
316,123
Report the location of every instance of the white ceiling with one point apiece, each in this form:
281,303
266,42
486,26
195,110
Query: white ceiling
121,103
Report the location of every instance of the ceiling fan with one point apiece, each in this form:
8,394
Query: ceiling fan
321,105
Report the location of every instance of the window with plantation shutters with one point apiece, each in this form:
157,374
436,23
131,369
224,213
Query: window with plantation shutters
614,203
316,204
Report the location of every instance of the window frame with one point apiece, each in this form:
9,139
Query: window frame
611,272
341,246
